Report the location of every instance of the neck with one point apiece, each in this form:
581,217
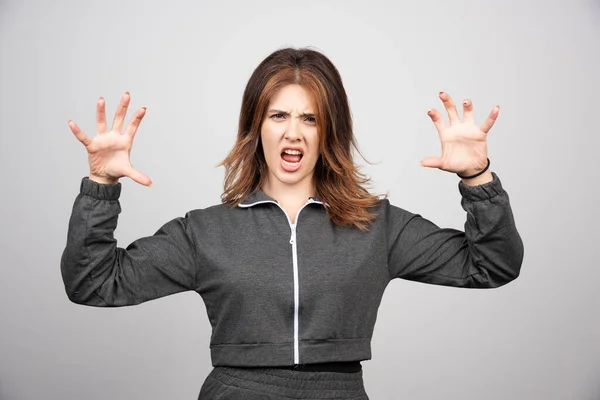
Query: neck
284,193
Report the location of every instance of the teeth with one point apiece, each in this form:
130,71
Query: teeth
289,151
291,164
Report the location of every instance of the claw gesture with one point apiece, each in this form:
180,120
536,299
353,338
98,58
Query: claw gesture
464,146
108,152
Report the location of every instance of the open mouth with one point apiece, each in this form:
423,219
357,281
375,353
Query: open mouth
290,159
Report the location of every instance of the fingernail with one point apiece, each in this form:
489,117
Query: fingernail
441,93
127,93
465,102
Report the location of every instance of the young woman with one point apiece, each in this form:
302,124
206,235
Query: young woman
293,263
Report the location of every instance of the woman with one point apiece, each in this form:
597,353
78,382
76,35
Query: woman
293,264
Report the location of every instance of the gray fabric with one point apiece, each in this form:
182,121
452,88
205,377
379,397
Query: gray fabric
224,383
240,260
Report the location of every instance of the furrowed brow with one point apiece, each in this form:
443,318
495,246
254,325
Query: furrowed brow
287,113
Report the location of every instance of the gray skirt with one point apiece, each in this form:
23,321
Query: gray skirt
228,383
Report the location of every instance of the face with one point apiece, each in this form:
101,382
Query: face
289,137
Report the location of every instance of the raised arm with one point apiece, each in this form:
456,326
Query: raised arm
95,270
488,254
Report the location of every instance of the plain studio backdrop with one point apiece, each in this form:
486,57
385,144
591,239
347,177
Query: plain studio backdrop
188,62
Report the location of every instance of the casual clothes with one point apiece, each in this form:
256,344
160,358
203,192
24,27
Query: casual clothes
278,293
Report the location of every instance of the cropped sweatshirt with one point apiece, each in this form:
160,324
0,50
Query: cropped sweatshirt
278,293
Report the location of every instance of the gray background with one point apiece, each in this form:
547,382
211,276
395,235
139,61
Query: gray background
188,62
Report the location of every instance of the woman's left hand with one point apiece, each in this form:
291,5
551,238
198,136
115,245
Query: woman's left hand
464,147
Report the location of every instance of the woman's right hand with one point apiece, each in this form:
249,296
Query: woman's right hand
108,152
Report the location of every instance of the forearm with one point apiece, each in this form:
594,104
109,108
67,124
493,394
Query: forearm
89,254
487,254
494,242
97,272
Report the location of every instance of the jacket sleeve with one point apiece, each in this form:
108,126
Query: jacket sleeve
488,254
96,272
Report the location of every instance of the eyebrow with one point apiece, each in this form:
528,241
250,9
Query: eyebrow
287,113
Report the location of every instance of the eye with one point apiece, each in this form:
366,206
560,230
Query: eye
277,116
312,120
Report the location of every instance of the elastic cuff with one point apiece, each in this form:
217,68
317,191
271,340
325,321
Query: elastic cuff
485,191
101,191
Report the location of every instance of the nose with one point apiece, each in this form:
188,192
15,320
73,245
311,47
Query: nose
293,131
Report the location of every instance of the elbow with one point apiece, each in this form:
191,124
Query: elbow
76,283
504,264
74,294
514,274
86,299
73,287
515,262
494,281
78,293
507,271
74,298
72,281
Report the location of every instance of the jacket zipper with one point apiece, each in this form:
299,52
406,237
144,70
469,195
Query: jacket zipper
295,268
296,290
293,242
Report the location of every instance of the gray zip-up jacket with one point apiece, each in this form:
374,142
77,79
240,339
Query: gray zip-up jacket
278,293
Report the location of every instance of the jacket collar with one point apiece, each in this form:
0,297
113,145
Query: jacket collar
259,197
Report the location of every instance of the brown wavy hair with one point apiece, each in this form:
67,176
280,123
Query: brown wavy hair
337,179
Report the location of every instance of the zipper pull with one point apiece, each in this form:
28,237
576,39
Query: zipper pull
293,238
